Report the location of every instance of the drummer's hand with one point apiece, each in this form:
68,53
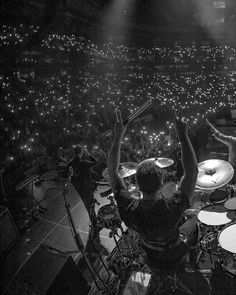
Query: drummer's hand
119,128
180,125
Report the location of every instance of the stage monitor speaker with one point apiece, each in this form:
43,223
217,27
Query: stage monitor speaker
8,231
47,273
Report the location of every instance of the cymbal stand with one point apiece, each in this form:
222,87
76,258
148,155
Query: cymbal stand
207,243
78,239
93,224
126,262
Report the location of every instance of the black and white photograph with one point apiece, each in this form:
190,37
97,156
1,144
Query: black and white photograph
118,147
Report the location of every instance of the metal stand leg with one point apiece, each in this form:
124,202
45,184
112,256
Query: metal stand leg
96,277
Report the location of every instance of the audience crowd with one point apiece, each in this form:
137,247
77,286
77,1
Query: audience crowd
65,91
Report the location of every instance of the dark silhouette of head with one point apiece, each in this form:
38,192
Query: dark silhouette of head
78,150
149,177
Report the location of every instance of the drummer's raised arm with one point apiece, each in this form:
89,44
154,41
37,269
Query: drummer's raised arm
114,154
189,162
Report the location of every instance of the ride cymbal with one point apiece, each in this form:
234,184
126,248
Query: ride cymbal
213,174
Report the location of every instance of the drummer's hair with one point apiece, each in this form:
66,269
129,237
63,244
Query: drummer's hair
149,177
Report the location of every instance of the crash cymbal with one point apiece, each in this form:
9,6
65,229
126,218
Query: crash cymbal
126,169
213,174
162,162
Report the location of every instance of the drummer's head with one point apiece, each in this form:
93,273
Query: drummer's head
78,149
149,177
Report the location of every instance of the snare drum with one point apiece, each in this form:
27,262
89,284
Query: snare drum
108,216
214,215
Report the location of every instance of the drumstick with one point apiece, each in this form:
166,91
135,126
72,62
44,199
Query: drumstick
138,112
135,114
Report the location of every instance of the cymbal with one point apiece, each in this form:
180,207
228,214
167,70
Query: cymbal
126,169
213,174
163,162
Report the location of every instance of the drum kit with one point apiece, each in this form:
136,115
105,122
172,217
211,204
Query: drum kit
216,217
108,215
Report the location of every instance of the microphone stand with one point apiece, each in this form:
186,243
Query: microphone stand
77,236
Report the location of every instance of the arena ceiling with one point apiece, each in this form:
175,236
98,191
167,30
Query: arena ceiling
169,18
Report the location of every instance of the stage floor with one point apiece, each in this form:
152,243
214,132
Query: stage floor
51,228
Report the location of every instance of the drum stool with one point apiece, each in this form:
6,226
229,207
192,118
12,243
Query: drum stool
165,280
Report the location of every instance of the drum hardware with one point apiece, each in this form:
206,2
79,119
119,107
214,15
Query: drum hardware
127,254
108,217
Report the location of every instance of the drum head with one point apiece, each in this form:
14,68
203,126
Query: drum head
230,204
214,215
218,196
227,238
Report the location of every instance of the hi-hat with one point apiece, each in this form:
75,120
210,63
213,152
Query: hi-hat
126,169
213,174
162,162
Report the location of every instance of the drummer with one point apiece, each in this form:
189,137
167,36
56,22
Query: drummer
230,141
155,218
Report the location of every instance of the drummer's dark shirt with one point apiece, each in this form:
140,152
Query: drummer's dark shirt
156,222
